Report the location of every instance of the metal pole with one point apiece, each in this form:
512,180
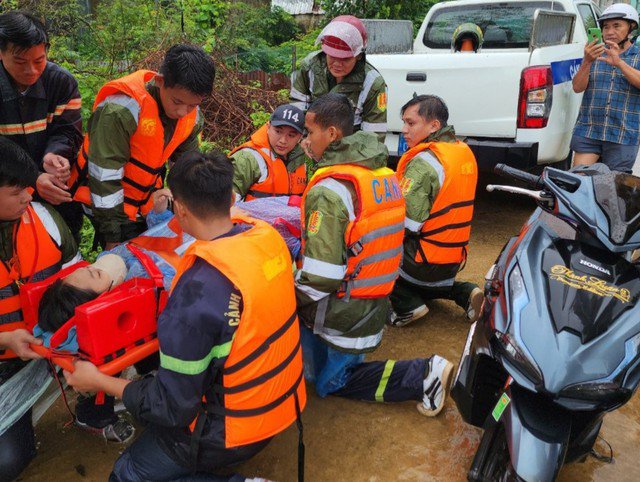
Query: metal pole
294,58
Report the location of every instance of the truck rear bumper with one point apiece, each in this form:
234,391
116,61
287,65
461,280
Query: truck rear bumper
521,155
488,152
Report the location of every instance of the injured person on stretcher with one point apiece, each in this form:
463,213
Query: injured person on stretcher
164,243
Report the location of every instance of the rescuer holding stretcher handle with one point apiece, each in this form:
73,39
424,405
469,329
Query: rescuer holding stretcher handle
230,375
35,243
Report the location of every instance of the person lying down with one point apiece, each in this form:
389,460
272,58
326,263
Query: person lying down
111,269
119,264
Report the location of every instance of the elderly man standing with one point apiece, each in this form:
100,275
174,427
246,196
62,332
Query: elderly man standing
608,126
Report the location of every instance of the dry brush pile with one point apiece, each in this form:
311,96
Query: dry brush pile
227,110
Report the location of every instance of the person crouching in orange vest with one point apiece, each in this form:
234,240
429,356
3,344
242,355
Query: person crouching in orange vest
34,244
353,225
139,122
438,176
272,163
230,375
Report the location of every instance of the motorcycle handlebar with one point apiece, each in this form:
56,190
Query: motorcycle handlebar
530,179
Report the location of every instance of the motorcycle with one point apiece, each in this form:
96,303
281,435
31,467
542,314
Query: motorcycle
558,343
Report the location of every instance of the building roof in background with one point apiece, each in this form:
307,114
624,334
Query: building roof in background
298,7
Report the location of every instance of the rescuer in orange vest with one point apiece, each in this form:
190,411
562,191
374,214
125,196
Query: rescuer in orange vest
138,123
34,244
230,375
438,176
271,163
353,225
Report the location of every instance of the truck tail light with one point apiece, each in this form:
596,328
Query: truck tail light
534,103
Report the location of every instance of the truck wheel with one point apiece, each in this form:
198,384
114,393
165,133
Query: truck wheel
496,464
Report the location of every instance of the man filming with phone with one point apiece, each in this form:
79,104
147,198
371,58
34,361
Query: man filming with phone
608,125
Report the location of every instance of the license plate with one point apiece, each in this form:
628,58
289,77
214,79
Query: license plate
467,349
402,145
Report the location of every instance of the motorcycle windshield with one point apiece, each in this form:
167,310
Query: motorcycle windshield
618,195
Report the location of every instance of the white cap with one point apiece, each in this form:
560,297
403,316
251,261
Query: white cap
619,10
344,37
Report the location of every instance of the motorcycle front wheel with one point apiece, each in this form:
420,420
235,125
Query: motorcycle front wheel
492,462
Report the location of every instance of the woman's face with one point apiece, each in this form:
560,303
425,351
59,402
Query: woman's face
89,278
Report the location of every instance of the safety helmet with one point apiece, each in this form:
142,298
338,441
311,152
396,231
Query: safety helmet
620,10
344,37
464,34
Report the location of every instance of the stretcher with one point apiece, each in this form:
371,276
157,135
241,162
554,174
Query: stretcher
115,330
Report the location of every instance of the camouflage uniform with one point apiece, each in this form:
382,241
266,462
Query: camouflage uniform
364,86
110,128
247,172
421,189
326,243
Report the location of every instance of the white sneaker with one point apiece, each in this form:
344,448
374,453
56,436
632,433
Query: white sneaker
403,319
474,305
436,386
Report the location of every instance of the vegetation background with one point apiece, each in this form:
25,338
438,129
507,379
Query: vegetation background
98,40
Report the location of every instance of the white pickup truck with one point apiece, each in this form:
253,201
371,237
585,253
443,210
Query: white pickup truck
512,102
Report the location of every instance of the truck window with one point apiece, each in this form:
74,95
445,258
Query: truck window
588,19
504,25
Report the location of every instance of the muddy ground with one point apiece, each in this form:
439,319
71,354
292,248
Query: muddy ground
354,441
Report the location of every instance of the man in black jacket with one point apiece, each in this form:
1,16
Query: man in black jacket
40,109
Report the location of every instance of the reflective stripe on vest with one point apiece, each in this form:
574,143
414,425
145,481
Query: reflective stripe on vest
445,234
142,173
375,231
36,257
369,79
262,374
275,178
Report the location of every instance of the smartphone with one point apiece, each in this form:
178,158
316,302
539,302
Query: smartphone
595,34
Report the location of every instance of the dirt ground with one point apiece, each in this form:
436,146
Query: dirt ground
355,441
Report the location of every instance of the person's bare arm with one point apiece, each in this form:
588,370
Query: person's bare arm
612,57
18,342
592,51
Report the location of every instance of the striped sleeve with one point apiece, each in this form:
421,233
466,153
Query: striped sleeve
64,119
195,337
374,105
328,210
300,93
110,129
421,183
249,167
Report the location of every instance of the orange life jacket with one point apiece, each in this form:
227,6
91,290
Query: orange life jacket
35,257
445,235
279,181
262,376
374,237
163,246
143,171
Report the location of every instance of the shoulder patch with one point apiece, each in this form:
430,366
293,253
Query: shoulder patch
405,185
315,220
382,101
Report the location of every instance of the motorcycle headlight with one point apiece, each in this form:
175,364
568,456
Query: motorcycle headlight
517,291
509,348
610,389
590,391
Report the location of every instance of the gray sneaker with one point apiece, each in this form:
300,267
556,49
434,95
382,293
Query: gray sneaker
403,319
121,431
436,386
